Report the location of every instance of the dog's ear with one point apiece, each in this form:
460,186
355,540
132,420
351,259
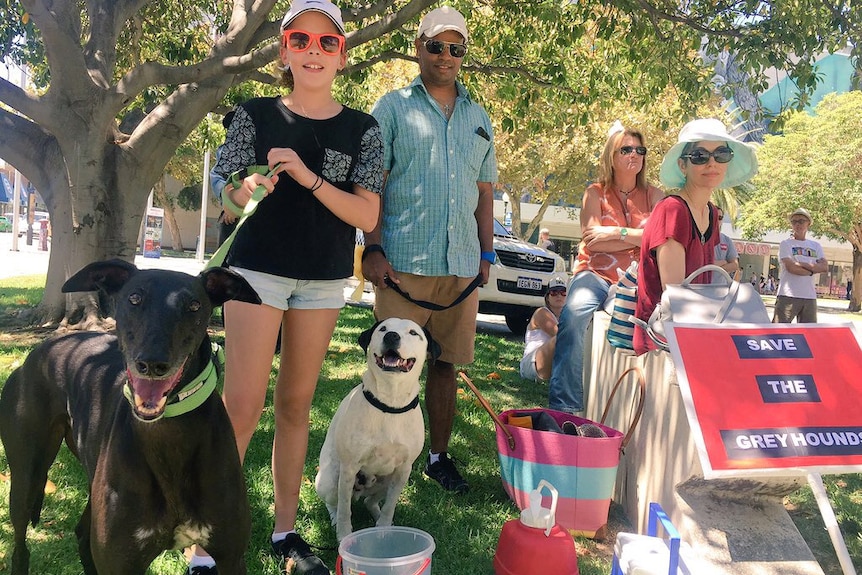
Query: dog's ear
365,337
433,347
108,276
222,285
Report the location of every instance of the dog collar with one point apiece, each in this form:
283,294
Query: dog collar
386,408
191,396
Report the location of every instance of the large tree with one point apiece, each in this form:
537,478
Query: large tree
117,85
816,164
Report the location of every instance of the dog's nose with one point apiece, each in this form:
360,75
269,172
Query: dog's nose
392,339
152,368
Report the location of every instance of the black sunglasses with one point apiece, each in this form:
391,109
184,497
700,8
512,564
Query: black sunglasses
627,150
436,47
700,156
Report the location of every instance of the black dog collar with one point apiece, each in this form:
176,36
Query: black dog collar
386,408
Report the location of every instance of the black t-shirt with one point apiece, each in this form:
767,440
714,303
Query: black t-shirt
292,234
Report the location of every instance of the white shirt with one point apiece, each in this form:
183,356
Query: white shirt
803,251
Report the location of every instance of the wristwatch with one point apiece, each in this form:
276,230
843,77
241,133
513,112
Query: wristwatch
623,233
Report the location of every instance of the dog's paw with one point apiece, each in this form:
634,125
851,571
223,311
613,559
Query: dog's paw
343,531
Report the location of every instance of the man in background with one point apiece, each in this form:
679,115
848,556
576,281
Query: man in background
545,240
726,256
801,259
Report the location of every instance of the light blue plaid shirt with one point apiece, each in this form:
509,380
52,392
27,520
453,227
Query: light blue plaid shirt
429,202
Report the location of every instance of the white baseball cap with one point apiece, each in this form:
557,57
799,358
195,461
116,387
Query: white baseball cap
325,7
441,19
557,282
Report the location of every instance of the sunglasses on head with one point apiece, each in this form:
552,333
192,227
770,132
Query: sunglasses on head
700,156
436,47
627,150
300,41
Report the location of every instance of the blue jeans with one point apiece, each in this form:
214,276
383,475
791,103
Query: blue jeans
587,293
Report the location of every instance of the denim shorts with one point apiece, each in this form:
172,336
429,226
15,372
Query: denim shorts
528,367
288,293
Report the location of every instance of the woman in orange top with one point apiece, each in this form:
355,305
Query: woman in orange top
613,215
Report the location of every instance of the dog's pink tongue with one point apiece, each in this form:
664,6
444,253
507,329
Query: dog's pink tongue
152,394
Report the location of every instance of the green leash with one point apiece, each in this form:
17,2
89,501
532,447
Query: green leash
258,194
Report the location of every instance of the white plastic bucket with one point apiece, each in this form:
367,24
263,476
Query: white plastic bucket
385,551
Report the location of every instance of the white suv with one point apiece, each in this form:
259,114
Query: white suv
519,279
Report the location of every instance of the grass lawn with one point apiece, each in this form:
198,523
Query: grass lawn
465,528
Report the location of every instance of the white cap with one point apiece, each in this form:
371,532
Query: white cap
441,19
325,7
557,282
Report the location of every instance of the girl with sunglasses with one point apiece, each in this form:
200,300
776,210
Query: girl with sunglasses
322,167
683,230
614,211
540,339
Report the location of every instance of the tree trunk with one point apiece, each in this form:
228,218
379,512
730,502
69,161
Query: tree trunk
167,204
856,293
103,223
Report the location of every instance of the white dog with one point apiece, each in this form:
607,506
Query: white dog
378,430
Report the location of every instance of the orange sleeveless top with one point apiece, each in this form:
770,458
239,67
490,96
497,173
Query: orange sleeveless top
631,213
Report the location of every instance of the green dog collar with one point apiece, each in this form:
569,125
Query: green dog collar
192,395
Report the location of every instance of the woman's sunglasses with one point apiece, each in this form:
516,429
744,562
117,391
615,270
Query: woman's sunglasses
436,47
627,150
300,41
557,291
700,156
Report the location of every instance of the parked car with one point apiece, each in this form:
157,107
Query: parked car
22,222
518,279
5,224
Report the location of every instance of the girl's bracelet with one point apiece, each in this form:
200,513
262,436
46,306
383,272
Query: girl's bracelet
316,185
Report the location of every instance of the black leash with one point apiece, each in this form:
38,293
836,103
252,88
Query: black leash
430,304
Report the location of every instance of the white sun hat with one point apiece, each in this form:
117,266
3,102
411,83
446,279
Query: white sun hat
325,7
741,168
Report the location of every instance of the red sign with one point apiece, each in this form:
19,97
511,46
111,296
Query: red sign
765,399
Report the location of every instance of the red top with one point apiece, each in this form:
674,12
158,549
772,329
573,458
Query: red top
671,218
631,214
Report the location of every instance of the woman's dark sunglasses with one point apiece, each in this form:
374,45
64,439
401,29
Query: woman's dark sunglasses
700,156
557,291
436,47
627,150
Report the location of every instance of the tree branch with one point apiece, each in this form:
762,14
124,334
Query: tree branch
689,22
487,69
25,145
106,20
60,25
388,23
154,73
22,101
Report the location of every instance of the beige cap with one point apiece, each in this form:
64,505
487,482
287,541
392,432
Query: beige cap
800,212
441,19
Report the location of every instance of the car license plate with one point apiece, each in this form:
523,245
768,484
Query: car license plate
529,283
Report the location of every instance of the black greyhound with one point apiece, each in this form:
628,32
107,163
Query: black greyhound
138,410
